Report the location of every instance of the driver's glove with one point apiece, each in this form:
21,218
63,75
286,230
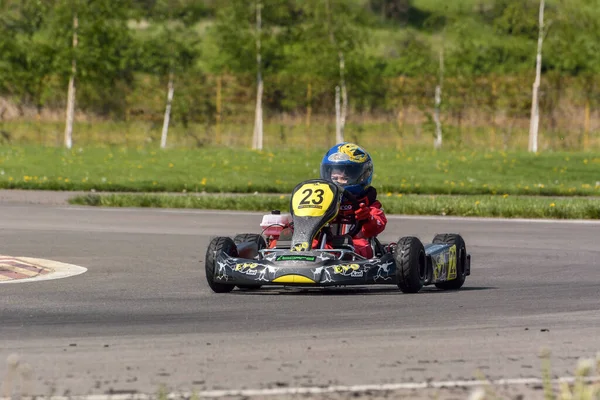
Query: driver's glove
363,213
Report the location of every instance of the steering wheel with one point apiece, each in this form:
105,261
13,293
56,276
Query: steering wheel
355,205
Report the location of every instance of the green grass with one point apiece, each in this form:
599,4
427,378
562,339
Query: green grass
218,169
471,206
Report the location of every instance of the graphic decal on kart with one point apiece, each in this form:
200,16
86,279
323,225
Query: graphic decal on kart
452,263
385,271
375,270
221,273
444,265
295,258
246,268
322,273
345,268
267,274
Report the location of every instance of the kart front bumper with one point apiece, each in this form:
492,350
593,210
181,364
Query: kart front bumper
240,271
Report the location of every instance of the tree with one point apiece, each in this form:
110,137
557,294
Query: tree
340,120
329,40
169,51
437,143
104,51
257,138
573,38
248,38
535,108
71,90
27,53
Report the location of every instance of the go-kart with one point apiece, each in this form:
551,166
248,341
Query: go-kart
290,257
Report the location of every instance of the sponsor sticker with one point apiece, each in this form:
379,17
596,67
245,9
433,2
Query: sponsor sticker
452,263
300,247
295,258
345,268
246,268
440,264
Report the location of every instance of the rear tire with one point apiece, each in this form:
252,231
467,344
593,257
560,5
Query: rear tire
253,238
217,245
411,265
461,260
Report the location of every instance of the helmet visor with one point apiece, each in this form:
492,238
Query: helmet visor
344,175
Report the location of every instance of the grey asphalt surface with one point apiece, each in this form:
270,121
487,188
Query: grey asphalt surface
143,318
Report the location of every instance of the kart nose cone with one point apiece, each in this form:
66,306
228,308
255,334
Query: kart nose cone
292,278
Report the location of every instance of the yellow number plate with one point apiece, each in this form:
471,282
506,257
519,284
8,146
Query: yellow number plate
312,200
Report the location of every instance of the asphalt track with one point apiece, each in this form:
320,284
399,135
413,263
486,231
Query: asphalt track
142,318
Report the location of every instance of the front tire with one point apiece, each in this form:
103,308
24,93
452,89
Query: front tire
411,265
261,244
461,260
217,245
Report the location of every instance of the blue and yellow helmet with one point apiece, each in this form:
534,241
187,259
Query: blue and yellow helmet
349,166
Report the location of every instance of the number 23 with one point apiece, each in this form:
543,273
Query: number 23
309,194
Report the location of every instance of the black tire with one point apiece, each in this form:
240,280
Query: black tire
461,260
216,245
411,265
253,238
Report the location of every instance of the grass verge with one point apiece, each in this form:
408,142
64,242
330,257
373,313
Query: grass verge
583,385
471,206
218,169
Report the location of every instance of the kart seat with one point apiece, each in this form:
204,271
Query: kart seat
285,239
378,249
342,242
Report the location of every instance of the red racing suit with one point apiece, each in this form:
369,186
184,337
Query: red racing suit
373,226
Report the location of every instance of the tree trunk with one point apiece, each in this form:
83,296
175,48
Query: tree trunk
342,113
339,136
307,135
71,90
493,110
308,105
257,143
437,143
535,108
218,110
344,110
257,139
165,129
401,114
400,117
586,126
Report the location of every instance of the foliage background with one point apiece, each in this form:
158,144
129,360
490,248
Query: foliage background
128,48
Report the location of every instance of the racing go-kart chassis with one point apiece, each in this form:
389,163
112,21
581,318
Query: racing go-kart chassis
249,261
